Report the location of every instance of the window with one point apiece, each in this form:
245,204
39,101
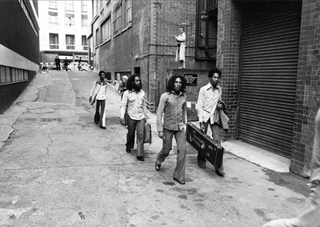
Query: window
70,42
69,5
10,74
84,20
53,18
84,6
53,41
106,29
84,42
97,37
53,5
69,19
206,29
117,19
128,13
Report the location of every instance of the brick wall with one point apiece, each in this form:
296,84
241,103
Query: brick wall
228,50
308,87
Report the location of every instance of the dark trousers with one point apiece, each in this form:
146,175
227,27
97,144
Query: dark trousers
134,125
58,67
100,115
180,137
216,139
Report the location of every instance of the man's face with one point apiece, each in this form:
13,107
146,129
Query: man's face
137,83
177,85
181,30
215,79
102,76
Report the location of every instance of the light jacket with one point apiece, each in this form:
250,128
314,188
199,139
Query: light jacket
99,90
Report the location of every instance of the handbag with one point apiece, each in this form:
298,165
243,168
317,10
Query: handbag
147,133
93,100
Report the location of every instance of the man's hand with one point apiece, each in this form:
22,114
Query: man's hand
160,134
219,106
122,121
202,128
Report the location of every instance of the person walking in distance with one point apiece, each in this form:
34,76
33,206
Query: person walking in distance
98,93
208,112
310,217
173,110
57,61
134,104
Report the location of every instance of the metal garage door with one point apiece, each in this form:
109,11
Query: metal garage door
269,60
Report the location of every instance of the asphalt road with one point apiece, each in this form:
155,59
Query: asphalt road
57,168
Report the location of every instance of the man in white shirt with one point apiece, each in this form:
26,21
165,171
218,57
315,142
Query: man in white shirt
134,103
99,93
208,112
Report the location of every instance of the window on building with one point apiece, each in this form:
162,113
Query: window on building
84,20
12,75
53,5
117,19
128,13
206,29
106,29
97,37
70,42
69,5
84,42
69,20
53,41
84,6
53,18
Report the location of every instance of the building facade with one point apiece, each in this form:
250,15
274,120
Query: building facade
19,48
267,50
64,29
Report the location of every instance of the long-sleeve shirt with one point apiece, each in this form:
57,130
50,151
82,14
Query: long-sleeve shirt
207,103
99,88
134,103
172,110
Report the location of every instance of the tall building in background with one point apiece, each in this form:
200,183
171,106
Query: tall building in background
19,48
63,29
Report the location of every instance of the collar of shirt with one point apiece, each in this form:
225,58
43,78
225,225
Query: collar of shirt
208,86
180,94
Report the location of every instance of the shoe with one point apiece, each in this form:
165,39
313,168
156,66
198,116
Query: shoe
179,181
140,158
202,165
220,172
103,127
128,150
157,166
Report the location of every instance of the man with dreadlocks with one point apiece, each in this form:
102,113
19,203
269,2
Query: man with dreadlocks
173,110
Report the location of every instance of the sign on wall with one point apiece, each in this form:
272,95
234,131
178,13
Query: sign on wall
191,79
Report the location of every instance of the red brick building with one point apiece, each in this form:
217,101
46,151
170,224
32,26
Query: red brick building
267,50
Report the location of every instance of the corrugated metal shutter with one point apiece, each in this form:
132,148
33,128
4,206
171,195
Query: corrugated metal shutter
270,47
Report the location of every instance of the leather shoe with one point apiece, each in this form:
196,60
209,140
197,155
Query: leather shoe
128,150
157,166
220,172
202,165
179,181
103,127
140,158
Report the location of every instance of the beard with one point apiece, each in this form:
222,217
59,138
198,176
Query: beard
137,87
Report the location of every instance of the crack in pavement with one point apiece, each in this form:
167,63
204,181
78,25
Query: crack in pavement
51,141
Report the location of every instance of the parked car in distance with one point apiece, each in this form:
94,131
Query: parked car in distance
74,66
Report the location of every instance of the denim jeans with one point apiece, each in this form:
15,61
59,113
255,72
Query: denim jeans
180,137
134,125
100,115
